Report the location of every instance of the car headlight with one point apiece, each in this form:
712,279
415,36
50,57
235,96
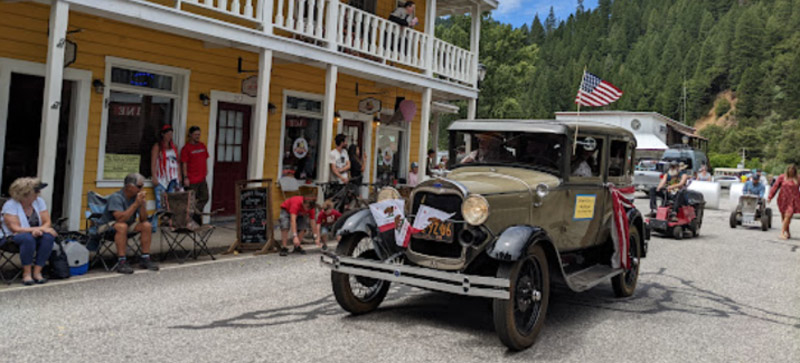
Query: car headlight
475,210
542,190
387,193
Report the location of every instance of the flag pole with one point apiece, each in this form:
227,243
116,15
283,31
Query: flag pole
578,123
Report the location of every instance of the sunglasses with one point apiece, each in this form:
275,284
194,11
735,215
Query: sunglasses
139,186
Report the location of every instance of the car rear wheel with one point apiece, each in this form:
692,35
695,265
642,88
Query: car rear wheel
519,319
357,294
625,284
733,221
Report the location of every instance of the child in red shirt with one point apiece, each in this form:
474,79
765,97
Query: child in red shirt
325,220
296,213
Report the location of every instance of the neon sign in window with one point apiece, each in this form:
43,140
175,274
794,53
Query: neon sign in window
138,78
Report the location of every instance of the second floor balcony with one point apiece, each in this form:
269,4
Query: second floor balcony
340,27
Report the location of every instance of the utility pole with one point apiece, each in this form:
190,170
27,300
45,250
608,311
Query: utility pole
743,157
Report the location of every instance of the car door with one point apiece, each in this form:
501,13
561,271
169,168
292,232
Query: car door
585,195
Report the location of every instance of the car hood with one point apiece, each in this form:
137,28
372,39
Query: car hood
487,180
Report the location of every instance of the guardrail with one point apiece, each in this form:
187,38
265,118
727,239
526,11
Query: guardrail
303,17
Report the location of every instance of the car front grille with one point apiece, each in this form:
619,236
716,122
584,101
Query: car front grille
447,202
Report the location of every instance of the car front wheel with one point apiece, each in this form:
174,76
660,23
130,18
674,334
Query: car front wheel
519,319
625,284
357,294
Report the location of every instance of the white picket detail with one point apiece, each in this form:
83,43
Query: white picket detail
303,17
452,62
244,9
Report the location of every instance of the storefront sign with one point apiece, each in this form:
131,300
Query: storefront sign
117,166
369,105
300,148
126,110
250,86
297,122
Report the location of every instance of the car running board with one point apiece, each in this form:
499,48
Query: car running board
590,277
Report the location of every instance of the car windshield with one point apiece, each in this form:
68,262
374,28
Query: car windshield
647,165
540,151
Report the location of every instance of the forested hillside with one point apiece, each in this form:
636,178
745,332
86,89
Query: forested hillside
747,50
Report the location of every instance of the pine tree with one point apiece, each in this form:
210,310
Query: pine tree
748,43
536,35
580,8
550,22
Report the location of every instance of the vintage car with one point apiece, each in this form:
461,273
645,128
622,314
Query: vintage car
529,210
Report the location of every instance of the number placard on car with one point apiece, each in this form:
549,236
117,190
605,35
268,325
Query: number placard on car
439,231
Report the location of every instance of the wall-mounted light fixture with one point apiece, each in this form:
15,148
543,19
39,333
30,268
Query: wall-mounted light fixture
376,120
272,109
98,85
204,98
337,117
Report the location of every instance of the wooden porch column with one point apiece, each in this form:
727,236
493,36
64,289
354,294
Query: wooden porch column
331,23
434,130
265,9
255,165
53,80
472,108
430,27
425,119
474,42
329,109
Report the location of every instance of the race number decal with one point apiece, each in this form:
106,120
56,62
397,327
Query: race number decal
584,207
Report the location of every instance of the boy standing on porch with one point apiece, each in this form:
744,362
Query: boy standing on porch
193,157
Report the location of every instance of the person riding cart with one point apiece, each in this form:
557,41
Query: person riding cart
673,185
752,208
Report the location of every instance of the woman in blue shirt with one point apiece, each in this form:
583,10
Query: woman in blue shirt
26,219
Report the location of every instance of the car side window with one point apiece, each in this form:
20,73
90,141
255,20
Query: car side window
586,161
618,158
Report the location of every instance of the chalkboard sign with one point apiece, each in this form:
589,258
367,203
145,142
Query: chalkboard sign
253,215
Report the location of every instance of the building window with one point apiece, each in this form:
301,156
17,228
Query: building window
302,124
366,5
141,99
391,159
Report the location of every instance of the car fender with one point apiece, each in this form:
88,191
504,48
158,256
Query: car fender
515,240
636,219
362,221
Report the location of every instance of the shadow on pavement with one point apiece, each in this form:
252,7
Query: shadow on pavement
661,293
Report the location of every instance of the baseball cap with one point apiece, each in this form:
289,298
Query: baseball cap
39,187
414,165
166,128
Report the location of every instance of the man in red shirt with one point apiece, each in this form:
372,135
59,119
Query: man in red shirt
296,213
193,157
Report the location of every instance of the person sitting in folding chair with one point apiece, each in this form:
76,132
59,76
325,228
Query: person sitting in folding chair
26,223
122,209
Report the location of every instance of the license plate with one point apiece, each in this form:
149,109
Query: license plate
437,231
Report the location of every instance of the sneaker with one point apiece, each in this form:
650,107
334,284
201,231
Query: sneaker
284,251
298,249
124,268
148,264
324,247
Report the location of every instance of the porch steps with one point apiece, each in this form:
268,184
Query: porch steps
590,277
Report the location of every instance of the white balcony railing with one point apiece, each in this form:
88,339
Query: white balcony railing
244,9
453,62
352,30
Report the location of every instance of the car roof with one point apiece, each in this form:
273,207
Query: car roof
536,126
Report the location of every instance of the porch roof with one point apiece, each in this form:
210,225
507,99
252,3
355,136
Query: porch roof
451,7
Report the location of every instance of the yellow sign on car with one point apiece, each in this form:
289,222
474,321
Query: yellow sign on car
584,207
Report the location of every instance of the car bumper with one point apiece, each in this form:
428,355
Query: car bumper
426,278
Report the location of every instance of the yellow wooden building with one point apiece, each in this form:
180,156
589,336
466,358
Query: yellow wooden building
85,85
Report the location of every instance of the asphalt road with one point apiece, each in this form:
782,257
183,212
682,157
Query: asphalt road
727,296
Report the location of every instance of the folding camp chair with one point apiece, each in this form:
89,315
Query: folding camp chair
178,225
7,252
289,186
101,235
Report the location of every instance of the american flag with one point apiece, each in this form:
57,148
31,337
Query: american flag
595,92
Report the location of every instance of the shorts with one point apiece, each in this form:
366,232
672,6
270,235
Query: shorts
285,221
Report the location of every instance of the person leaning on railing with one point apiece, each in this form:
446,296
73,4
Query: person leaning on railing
404,15
26,222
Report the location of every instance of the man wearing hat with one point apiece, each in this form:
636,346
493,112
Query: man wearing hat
754,186
490,149
672,180
413,175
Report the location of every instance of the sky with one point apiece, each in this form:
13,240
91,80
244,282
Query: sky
518,12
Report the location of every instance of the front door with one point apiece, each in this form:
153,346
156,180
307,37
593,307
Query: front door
230,160
354,130
585,195
23,128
